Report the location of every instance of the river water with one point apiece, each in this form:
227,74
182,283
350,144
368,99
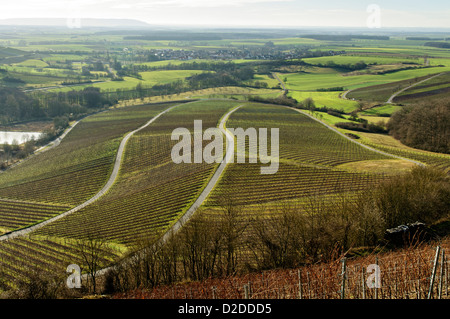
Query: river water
18,137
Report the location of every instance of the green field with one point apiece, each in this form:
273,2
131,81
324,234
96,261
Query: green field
384,109
148,79
163,77
332,78
33,63
329,99
352,59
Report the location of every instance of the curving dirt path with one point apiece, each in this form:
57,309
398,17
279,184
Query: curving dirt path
203,195
279,80
354,141
212,182
344,95
393,96
106,187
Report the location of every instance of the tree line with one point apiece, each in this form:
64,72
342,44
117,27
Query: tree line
17,106
425,125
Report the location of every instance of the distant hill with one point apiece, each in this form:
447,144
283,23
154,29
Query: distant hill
105,23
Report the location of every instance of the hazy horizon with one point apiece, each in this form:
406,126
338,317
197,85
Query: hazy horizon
241,13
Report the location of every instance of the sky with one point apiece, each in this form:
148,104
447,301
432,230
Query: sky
243,13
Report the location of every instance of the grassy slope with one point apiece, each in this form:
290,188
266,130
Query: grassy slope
313,81
329,99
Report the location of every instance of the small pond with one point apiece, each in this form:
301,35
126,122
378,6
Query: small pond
18,137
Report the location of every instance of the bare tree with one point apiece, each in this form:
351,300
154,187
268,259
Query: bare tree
231,227
40,284
93,252
277,238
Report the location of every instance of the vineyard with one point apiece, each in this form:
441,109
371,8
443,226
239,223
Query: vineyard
245,185
16,214
412,273
71,173
440,161
152,192
308,154
361,154
382,92
435,88
25,257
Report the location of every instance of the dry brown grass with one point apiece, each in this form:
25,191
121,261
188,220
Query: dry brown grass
405,274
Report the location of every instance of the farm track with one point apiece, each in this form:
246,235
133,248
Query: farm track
279,80
344,95
356,142
208,188
393,96
200,199
104,190
352,140
212,182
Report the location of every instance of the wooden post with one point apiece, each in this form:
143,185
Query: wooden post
418,288
395,282
246,294
441,275
446,275
363,283
308,285
263,284
418,279
214,292
343,273
300,295
433,273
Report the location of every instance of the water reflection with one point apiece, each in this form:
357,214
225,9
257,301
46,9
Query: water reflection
18,137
